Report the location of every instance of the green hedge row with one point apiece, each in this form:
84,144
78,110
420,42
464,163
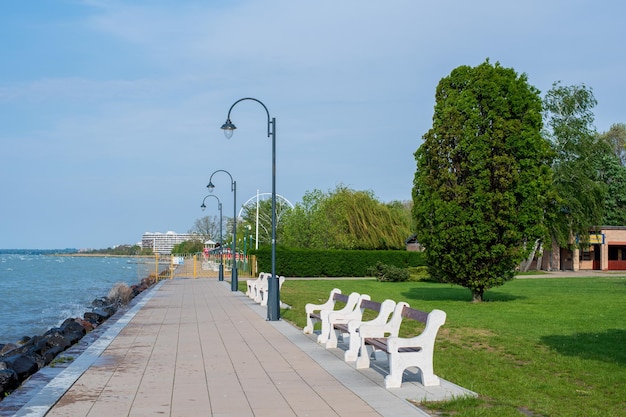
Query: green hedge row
332,263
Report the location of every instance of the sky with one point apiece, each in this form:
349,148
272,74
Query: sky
110,110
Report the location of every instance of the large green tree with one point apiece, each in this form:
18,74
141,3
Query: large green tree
483,177
581,188
613,173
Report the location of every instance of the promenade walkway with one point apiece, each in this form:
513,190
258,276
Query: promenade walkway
191,347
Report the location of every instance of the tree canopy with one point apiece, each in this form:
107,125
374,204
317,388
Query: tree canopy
346,219
188,246
581,190
613,173
483,177
616,138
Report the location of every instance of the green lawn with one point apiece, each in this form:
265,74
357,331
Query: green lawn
537,347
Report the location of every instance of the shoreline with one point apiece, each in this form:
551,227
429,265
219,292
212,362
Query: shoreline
39,380
102,255
33,358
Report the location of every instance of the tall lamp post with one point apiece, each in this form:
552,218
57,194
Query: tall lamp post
219,206
233,187
273,299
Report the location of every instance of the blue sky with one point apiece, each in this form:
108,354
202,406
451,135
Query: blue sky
110,109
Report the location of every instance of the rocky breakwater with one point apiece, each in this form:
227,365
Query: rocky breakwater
18,361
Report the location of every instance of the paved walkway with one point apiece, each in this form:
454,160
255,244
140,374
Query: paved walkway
191,347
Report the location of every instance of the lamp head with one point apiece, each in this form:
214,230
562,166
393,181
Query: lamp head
203,206
228,128
211,187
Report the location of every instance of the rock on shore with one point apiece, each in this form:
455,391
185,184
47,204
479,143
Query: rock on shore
20,360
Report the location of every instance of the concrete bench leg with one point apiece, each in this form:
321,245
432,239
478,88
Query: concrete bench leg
354,344
398,362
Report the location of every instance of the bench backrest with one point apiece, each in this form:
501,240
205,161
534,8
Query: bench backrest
433,320
411,313
366,304
340,297
393,325
370,305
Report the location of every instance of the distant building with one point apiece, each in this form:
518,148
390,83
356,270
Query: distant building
163,243
606,250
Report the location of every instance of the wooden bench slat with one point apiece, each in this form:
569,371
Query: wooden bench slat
411,313
365,304
340,297
337,297
371,305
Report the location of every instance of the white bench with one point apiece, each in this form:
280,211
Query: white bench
341,323
382,325
319,312
252,285
312,310
332,318
405,352
263,288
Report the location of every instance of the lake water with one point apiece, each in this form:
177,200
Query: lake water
38,292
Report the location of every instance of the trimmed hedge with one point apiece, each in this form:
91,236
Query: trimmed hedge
295,262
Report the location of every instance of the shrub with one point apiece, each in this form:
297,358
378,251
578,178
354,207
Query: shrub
297,262
120,294
388,273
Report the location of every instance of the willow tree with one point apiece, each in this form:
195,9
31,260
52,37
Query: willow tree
346,219
483,177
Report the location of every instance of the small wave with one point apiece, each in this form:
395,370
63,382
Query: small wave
55,316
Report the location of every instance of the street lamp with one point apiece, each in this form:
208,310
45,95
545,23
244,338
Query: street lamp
273,299
233,187
219,206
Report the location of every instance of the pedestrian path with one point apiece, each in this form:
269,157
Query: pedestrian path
192,347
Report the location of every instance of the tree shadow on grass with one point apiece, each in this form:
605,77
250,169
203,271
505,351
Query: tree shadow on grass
607,346
446,292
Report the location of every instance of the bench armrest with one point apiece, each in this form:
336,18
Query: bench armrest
369,330
386,308
380,329
328,305
425,340
351,311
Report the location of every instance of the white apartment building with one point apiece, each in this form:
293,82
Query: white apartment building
162,243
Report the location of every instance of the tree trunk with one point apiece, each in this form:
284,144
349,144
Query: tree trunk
555,256
526,264
540,258
477,295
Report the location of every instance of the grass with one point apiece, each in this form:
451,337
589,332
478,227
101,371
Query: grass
537,347
61,360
